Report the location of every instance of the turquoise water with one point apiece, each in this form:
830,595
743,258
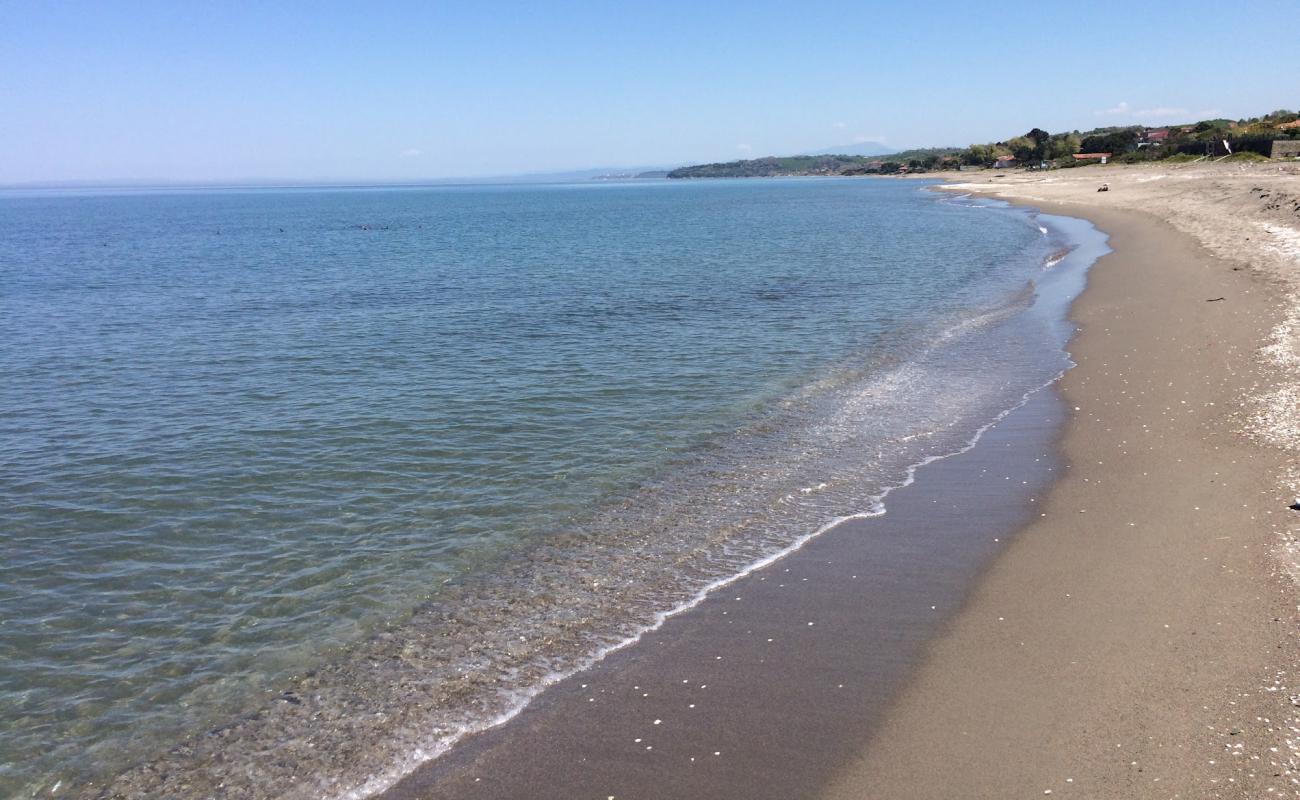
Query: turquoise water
268,445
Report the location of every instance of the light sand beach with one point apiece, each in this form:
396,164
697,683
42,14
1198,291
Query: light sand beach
1138,639
1246,215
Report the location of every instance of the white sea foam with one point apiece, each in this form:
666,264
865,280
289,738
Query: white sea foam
520,699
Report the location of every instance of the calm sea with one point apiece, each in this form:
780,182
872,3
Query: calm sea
344,473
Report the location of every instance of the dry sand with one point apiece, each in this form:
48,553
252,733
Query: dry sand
1138,640
1247,215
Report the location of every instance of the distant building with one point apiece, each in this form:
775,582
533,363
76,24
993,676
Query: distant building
1100,158
1295,123
1004,161
1153,137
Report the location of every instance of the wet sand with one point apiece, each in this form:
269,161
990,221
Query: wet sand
1137,640
773,682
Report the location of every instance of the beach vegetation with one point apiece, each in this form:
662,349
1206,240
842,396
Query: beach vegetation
1141,156
1247,156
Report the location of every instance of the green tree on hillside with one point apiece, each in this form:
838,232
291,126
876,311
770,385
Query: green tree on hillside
1062,145
1040,138
1023,148
979,155
1120,141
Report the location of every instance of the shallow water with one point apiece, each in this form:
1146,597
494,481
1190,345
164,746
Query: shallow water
388,460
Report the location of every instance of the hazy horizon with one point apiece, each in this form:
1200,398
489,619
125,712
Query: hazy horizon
98,93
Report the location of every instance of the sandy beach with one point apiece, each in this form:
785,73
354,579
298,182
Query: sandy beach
1138,640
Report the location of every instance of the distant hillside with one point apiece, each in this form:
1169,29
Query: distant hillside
859,149
630,176
774,166
594,174
922,154
834,164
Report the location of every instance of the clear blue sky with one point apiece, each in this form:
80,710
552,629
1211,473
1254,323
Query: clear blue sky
406,90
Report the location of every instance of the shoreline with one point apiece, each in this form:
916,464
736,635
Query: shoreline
1137,639
209,756
579,734
674,714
